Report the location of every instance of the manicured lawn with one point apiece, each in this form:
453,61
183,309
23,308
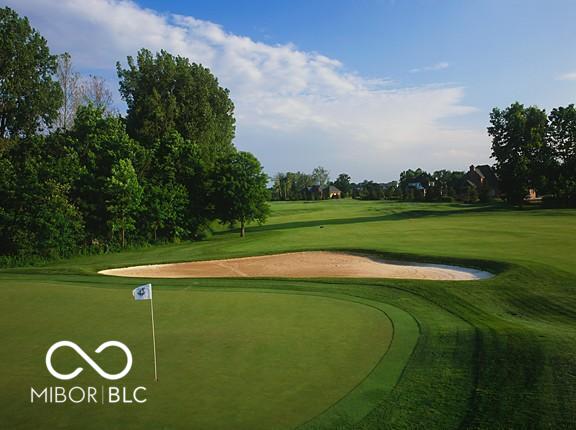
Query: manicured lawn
228,359
499,353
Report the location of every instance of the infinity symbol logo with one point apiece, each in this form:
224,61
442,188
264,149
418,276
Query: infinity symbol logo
88,360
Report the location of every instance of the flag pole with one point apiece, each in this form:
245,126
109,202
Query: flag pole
153,334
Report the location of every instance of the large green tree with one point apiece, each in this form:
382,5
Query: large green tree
166,93
343,183
29,97
240,194
520,148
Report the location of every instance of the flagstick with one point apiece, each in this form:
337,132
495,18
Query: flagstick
153,335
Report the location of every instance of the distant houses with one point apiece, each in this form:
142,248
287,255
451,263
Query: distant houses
421,184
479,183
327,192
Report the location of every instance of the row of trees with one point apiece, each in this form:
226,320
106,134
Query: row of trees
293,185
534,150
441,185
76,175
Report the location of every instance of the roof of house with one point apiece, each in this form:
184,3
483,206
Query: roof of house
489,174
417,185
476,175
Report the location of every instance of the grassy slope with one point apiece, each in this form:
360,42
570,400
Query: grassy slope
492,354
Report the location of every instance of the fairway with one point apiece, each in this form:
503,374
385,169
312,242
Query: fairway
321,353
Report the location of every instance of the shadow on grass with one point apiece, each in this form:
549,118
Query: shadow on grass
394,216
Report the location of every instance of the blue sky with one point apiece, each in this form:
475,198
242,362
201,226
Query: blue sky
501,50
369,87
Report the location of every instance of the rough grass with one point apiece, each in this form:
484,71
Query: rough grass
493,354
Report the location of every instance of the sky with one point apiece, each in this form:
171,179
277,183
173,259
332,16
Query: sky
365,87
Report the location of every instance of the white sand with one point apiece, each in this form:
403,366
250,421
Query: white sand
312,264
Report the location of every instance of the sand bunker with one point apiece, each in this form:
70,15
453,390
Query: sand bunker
313,264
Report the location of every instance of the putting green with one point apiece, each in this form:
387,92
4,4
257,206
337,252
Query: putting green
228,359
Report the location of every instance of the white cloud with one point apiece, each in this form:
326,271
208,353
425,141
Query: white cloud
438,66
571,76
294,109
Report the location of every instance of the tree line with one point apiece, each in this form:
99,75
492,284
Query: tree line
77,176
534,153
441,185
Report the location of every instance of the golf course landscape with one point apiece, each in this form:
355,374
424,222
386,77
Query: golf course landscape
315,353
287,215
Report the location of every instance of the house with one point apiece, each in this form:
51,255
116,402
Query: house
317,192
421,184
331,192
532,196
482,178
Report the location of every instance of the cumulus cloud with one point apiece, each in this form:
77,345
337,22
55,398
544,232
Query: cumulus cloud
294,109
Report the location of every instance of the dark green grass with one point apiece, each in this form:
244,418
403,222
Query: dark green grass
494,354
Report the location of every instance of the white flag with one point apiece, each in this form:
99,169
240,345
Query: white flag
143,292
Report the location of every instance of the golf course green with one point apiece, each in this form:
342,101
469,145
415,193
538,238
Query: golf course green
245,353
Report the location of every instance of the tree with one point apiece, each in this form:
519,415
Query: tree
239,192
321,176
164,211
94,90
69,81
177,185
369,190
300,183
166,93
343,184
520,149
280,186
562,133
562,136
99,141
37,215
410,177
29,97
124,197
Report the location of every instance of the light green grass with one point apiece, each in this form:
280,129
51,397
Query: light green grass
493,354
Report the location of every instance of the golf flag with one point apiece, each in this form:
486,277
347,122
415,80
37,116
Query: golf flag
143,292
